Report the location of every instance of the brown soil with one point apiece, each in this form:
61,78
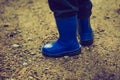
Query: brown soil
25,25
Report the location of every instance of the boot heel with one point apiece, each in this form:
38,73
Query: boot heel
87,43
77,52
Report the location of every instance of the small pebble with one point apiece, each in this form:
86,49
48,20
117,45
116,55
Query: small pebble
30,77
87,48
32,53
66,57
118,11
93,17
93,50
30,39
106,17
12,34
30,2
19,31
6,25
25,63
30,60
16,46
10,79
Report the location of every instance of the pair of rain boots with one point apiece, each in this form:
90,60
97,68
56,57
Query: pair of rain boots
67,43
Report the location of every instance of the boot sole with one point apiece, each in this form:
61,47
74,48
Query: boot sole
69,53
87,43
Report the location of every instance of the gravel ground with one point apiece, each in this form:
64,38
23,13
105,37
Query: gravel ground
25,25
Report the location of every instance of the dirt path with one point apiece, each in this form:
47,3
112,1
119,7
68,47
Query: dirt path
25,25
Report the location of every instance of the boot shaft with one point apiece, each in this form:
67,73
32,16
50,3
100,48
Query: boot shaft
67,28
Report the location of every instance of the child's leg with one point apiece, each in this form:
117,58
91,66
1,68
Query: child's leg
65,12
63,8
85,30
85,7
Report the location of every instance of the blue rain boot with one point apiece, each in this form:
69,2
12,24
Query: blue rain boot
67,44
85,32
